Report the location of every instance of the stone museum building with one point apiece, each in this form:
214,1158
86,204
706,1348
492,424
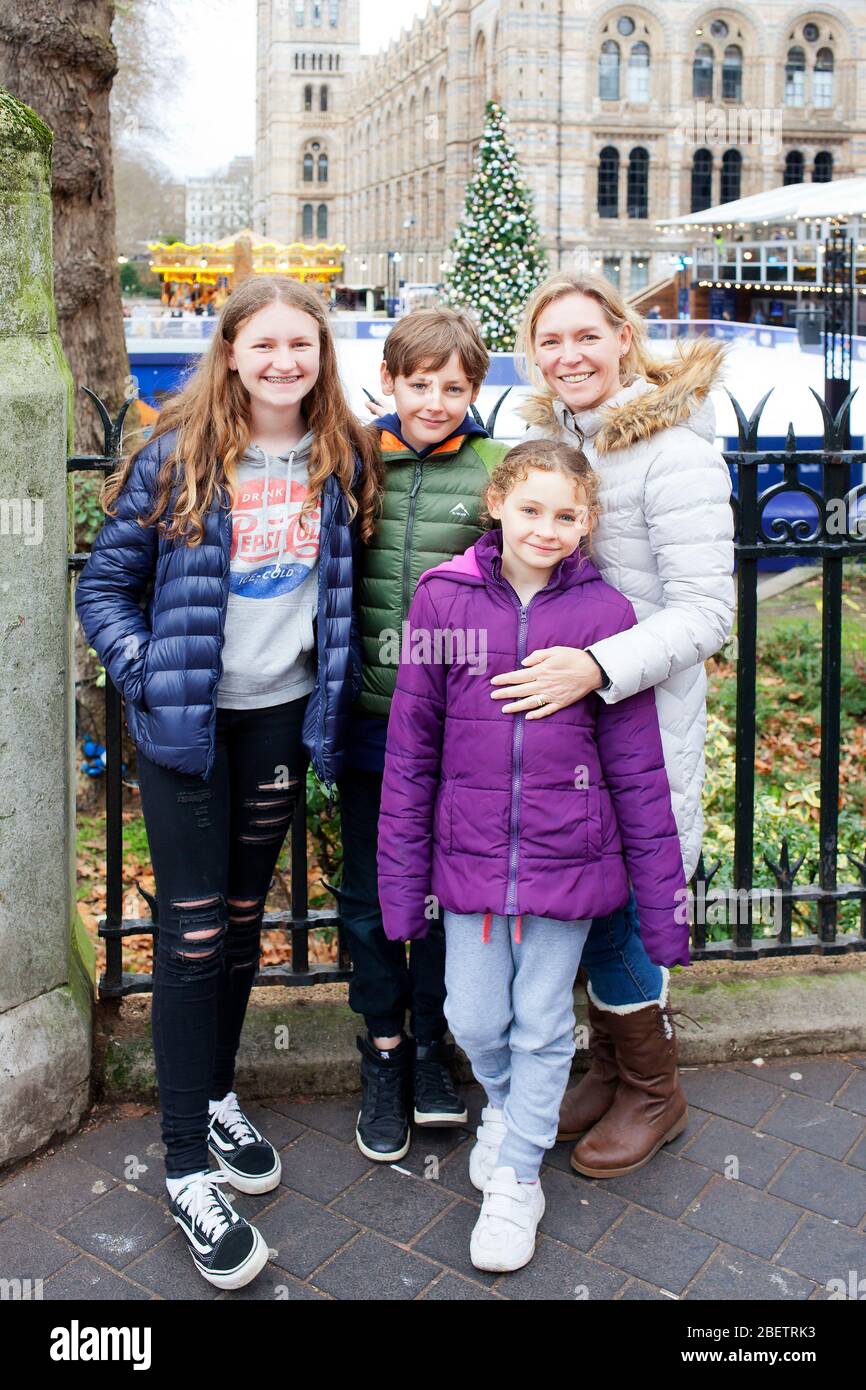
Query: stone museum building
622,114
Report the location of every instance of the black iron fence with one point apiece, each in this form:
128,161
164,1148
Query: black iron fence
833,536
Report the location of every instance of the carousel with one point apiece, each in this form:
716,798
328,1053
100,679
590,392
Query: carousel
200,277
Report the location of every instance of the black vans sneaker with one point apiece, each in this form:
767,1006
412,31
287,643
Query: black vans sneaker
227,1250
382,1132
436,1100
250,1163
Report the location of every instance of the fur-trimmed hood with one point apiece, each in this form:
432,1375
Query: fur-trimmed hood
678,396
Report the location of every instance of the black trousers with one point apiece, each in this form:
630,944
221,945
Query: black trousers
387,979
214,846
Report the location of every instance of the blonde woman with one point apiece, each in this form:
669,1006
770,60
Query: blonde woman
665,539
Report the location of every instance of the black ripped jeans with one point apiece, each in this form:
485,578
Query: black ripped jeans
214,846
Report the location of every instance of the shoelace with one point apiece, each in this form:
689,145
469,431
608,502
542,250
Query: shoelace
229,1114
205,1206
386,1084
675,1013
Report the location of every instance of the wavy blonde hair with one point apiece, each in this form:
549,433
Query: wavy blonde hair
549,456
211,414
637,362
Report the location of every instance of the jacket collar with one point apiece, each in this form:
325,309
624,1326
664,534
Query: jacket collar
574,570
678,396
392,440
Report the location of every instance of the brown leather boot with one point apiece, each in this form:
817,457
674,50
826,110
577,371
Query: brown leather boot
649,1108
584,1105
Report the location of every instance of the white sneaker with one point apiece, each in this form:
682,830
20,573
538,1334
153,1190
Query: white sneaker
504,1234
485,1151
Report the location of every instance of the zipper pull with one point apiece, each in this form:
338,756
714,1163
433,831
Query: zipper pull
418,479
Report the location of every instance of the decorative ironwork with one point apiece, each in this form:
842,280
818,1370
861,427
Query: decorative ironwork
755,538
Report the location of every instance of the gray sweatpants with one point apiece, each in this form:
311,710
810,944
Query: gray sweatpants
509,1005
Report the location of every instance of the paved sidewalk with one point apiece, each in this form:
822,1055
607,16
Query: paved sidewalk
89,1221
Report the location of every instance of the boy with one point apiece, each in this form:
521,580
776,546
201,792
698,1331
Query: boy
436,464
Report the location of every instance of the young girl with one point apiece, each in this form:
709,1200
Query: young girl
236,523
522,831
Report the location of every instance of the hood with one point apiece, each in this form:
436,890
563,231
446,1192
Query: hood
392,440
679,396
483,561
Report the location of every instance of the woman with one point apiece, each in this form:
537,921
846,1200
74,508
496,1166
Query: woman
665,539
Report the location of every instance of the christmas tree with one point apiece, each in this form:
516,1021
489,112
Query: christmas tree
496,257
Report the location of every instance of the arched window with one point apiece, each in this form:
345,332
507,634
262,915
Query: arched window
732,171
608,182
322,221
323,98
608,71
702,72
822,169
795,77
795,167
308,98
308,168
299,11
638,77
702,180
308,220
323,168
335,14
732,73
317,11
822,78
638,183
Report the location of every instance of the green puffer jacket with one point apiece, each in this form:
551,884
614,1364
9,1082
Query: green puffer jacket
431,512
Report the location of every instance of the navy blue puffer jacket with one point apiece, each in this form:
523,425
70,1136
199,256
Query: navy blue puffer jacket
154,611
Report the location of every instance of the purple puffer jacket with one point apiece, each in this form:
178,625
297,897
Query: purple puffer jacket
490,812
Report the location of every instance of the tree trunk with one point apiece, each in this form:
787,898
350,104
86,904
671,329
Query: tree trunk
58,57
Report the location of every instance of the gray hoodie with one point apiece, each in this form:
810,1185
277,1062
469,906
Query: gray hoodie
267,656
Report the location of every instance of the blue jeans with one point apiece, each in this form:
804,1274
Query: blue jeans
618,967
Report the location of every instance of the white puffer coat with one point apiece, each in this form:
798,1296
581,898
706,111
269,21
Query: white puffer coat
665,540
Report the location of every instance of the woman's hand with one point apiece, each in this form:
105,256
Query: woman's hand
562,675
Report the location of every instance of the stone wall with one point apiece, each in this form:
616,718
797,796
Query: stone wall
45,965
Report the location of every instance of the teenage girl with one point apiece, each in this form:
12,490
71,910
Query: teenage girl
219,598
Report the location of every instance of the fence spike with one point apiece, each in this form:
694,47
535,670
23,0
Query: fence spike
748,429
491,423
791,439
112,430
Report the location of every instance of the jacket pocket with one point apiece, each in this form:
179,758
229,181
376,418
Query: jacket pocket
593,824
442,816
141,702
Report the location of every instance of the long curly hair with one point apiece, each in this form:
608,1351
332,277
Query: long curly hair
211,414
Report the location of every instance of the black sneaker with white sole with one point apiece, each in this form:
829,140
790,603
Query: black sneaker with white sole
249,1161
227,1250
382,1132
437,1103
